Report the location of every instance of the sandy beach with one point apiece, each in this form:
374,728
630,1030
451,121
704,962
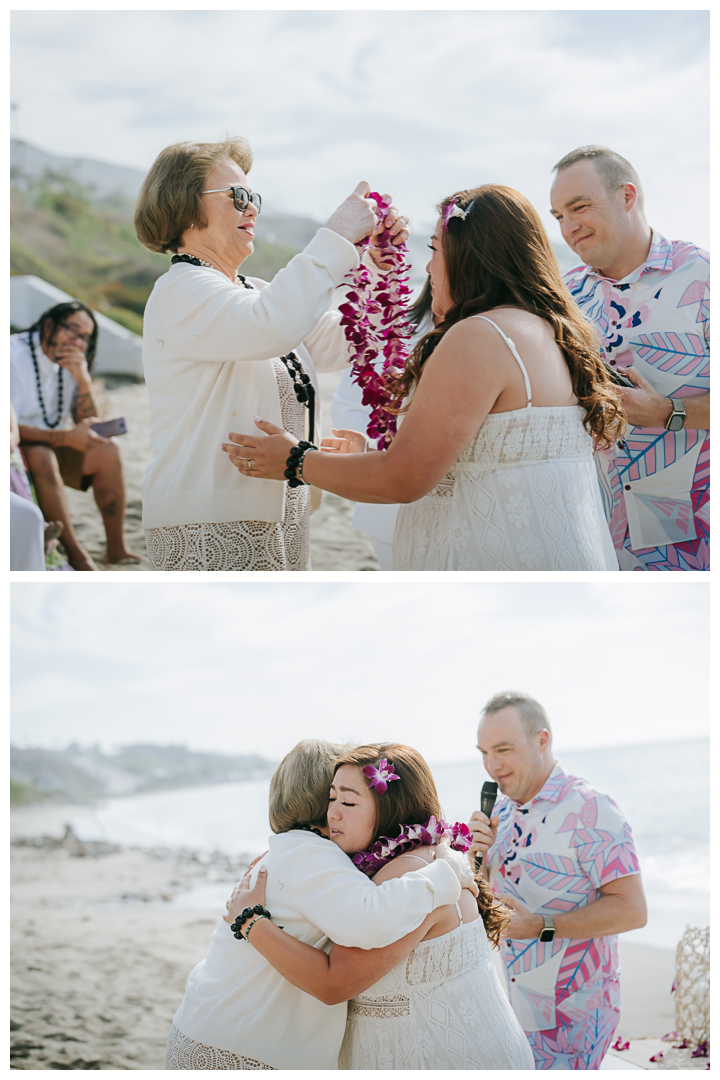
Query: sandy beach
335,544
103,941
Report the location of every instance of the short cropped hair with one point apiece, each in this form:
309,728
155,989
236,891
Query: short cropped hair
531,713
170,198
300,786
614,169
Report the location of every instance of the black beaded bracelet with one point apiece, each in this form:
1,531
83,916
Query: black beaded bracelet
296,455
245,914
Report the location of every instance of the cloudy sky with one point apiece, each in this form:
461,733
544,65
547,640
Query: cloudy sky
255,667
421,103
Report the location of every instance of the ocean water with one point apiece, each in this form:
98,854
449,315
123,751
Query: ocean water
662,789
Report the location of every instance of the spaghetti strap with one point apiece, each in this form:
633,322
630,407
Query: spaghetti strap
457,905
511,346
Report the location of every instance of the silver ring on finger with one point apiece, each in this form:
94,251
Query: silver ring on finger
249,461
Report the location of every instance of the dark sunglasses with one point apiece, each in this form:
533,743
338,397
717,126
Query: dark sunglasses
241,196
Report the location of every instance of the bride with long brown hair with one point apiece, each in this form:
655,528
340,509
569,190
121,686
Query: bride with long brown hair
503,404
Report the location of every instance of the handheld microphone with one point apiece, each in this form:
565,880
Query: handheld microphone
488,796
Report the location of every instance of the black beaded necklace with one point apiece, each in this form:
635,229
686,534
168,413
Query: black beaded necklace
304,389
312,829
48,423
194,261
302,384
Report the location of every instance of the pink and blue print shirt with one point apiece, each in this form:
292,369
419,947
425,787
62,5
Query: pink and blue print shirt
553,854
655,484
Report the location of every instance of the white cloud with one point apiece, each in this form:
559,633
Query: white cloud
419,102
253,668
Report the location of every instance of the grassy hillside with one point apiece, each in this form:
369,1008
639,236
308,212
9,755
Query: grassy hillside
88,248
80,775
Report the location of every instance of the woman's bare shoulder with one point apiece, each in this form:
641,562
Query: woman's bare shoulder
515,320
401,864
467,336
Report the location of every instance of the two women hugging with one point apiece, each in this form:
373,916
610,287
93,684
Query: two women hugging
363,941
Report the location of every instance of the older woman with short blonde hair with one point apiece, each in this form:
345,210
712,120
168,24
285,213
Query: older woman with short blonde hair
219,348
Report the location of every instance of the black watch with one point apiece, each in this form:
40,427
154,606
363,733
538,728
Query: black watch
548,931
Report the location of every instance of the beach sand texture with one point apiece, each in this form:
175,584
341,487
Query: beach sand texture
101,954
335,544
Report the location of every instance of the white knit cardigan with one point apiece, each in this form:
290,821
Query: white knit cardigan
234,999
208,347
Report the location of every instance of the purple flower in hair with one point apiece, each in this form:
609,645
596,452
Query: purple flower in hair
453,210
380,778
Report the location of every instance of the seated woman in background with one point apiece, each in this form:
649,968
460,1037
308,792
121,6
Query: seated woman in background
238,1012
506,396
442,1005
219,348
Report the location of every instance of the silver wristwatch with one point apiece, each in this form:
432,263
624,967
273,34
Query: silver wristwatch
548,931
676,419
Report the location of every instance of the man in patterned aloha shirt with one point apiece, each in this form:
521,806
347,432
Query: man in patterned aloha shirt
650,300
562,856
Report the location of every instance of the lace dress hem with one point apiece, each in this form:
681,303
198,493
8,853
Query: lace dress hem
244,545
185,1053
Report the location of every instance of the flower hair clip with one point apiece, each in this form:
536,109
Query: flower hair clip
452,210
380,778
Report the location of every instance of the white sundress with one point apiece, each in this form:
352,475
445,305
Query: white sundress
523,495
442,1008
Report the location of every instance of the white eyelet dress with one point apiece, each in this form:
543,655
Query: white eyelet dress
441,1008
523,495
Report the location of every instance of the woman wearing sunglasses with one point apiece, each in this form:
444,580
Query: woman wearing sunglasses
219,349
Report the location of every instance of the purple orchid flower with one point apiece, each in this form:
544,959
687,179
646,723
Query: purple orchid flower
461,837
380,778
454,210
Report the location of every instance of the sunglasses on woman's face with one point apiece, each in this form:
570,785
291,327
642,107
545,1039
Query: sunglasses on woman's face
240,195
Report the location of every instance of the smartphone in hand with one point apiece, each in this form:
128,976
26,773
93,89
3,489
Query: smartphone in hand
108,428
617,376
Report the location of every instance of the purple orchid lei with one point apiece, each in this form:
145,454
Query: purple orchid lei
389,299
412,836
